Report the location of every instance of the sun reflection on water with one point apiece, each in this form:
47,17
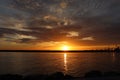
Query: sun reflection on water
65,63
113,57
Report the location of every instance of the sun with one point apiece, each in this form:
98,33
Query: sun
65,48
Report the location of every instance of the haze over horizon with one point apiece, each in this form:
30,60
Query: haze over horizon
52,24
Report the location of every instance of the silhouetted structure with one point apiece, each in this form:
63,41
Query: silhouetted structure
117,49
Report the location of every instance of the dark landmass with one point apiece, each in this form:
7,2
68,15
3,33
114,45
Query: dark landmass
92,75
54,51
117,49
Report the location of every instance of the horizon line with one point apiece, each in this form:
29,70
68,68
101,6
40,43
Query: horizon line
102,50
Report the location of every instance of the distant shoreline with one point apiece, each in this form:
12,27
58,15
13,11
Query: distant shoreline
57,51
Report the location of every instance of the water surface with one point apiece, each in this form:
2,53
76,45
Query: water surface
75,64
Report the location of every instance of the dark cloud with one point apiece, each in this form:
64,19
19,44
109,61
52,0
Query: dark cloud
58,20
26,40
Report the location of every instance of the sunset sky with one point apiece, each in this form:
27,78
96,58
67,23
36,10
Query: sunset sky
51,24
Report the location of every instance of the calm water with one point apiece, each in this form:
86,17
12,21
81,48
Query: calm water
75,64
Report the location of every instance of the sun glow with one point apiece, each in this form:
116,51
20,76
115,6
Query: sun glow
65,48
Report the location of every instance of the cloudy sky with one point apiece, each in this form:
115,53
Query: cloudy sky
49,24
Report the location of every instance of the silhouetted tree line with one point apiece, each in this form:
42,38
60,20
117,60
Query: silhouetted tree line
116,49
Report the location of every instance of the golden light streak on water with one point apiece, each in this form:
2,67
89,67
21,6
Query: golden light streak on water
65,63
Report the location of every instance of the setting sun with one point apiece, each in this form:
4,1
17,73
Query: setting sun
65,48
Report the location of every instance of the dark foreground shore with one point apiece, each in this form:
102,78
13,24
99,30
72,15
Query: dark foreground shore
92,75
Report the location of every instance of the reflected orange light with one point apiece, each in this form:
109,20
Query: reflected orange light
65,62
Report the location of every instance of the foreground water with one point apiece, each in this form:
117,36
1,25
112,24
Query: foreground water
75,64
